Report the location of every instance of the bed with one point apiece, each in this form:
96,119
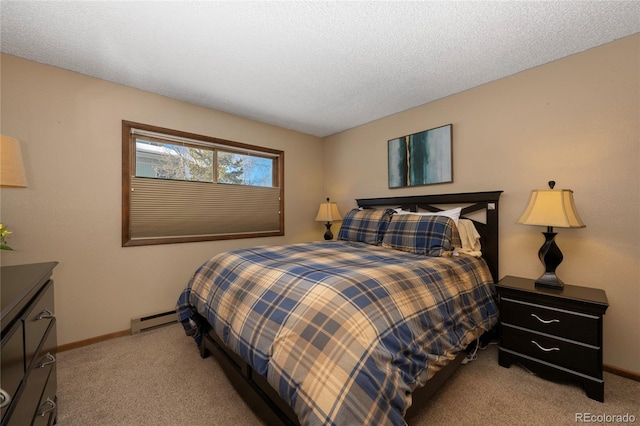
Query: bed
356,330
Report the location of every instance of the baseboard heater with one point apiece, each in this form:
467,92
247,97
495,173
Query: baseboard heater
152,321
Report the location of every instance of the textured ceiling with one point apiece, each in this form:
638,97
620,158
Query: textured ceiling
316,67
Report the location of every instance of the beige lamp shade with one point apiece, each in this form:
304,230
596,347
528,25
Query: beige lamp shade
11,165
328,212
551,207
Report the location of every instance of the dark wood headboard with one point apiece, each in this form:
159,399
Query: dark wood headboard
471,203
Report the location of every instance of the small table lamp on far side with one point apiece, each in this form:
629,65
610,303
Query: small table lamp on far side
328,212
551,207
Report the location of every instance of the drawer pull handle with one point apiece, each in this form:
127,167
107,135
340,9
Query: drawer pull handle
5,398
544,321
544,349
50,360
50,409
46,314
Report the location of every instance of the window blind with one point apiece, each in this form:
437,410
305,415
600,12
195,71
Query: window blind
166,208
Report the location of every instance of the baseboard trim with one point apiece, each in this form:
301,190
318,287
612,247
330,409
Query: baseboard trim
622,372
93,340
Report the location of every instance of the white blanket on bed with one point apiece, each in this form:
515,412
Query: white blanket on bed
470,238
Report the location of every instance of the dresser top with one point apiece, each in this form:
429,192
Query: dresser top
18,285
569,292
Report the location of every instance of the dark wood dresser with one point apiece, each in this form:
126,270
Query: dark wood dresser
556,334
28,379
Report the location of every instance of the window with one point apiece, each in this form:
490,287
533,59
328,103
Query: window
181,187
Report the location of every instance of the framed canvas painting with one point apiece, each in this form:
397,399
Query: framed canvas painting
423,158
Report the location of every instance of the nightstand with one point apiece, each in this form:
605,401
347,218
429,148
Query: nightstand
556,334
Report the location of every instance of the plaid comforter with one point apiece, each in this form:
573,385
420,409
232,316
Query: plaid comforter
344,331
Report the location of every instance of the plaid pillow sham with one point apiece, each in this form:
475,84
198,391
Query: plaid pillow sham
427,235
367,226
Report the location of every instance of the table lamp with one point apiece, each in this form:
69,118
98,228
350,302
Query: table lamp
11,165
328,212
551,207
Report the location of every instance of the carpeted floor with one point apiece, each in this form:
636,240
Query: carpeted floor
158,378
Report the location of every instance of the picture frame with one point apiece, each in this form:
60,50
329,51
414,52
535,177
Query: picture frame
423,158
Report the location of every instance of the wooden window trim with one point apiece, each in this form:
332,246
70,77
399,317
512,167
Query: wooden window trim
128,160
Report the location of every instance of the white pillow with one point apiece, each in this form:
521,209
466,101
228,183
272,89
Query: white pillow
452,213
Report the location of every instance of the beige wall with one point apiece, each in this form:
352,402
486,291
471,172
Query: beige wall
576,121
70,129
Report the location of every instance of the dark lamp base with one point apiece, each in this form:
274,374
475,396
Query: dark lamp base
550,256
328,235
549,280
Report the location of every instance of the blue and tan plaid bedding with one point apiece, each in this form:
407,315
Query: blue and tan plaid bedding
344,331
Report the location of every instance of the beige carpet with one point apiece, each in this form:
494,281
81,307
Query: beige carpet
158,378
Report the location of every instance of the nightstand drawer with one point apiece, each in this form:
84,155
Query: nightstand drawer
585,359
558,322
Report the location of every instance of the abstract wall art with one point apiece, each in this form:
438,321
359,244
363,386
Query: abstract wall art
423,158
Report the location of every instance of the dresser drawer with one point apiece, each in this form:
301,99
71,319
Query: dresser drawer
35,381
48,410
12,361
584,359
558,322
37,320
